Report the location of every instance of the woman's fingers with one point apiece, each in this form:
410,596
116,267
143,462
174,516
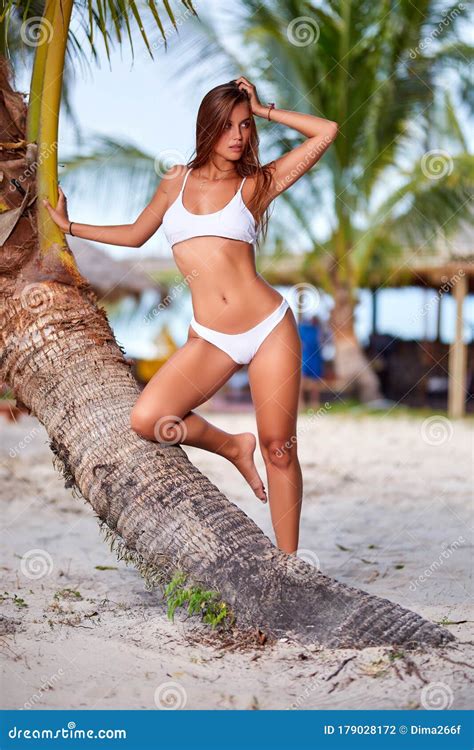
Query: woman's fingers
51,210
48,205
58,214
61,204
246,82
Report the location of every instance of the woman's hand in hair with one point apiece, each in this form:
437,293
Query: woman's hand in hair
255,103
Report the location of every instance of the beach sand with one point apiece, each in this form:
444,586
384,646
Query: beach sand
385,508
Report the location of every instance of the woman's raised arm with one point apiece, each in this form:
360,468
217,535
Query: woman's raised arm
319,134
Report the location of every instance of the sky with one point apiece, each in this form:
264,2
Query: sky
144,103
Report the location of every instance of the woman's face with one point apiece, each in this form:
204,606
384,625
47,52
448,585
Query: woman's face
234,139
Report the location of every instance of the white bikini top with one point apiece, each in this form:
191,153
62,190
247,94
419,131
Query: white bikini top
234,221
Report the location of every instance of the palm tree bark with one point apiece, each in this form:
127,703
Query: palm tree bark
65,366
59,355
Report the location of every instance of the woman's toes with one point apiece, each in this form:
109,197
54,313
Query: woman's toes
246,465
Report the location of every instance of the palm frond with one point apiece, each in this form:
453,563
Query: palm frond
132,174
429,204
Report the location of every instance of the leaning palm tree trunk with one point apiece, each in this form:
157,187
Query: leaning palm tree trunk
59,355
65,366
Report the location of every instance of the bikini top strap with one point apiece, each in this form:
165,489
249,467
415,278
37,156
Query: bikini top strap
184,181
242,184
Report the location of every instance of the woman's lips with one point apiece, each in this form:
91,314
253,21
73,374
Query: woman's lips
236,148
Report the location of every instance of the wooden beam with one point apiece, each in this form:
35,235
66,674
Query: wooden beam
427,295
439,317
458,356
374,310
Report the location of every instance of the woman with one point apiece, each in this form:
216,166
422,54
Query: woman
212,210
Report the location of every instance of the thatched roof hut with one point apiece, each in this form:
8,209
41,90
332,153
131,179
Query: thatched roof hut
444,260
447,266
429,267
111,279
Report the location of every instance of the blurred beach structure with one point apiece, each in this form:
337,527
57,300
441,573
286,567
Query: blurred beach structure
413,327
384,217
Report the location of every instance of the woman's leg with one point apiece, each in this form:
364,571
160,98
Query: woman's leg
163,411
275,379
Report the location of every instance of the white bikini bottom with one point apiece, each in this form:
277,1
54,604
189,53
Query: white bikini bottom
241,347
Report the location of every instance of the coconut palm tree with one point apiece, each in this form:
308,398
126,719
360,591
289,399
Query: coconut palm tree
59,355
22,28
378,69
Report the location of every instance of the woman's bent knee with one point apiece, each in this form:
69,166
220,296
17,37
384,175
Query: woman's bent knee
164,428
280,451
140,423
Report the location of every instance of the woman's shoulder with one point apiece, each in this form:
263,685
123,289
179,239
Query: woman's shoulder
260,179
172,179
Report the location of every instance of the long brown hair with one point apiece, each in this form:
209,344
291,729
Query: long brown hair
213,114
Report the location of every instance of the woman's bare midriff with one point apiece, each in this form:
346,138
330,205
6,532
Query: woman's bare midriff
227,293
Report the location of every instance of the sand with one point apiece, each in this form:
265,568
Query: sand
386,508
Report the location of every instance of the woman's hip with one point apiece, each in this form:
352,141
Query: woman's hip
276,312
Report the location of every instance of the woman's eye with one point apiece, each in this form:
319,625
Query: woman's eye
245,124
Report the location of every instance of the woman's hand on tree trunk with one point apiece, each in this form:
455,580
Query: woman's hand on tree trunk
59,214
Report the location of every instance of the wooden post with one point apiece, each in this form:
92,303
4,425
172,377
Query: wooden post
439,318
374,310
458,357
427,316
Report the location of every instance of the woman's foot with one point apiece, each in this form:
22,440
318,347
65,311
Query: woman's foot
242,457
